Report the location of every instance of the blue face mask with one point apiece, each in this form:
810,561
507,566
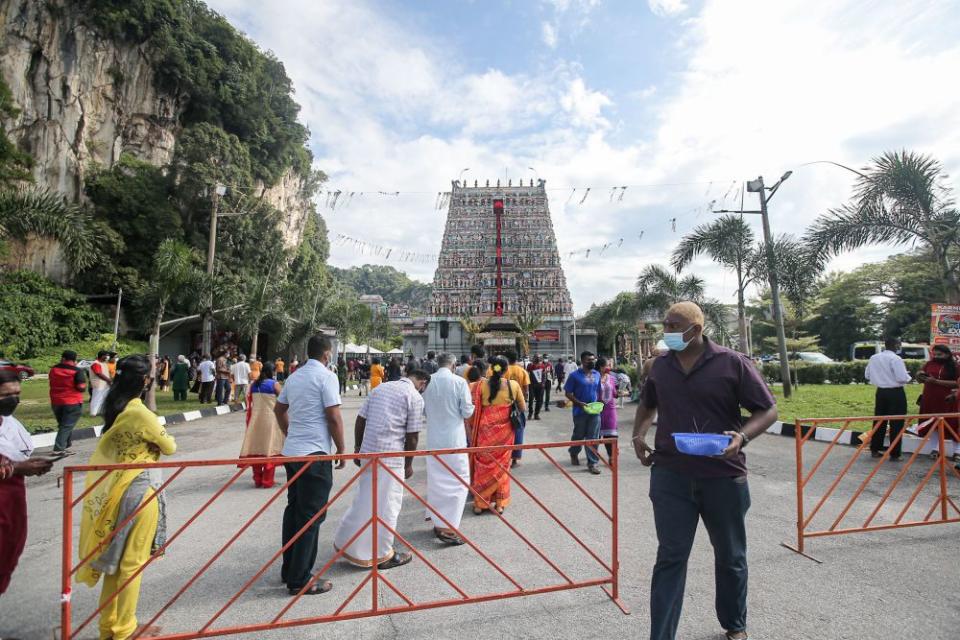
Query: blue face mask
675,341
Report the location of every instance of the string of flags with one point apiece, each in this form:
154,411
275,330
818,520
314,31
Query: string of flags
387,253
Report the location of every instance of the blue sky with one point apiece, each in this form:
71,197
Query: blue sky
688,97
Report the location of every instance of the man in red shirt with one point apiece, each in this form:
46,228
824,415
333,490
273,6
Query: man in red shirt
67,384
538,378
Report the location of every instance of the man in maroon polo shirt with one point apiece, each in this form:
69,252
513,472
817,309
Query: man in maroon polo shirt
67,384
699,386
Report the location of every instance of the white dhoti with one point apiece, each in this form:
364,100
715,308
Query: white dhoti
97,396
389,501
445,493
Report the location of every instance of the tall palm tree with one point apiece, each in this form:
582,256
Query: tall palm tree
729,242
261,300
174,271
526,324
43,213
658,289
901,198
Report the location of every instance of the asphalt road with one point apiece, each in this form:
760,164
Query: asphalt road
890,584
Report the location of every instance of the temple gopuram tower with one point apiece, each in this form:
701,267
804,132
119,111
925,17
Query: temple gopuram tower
498,271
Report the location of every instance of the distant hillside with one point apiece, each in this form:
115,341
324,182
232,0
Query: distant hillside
385,281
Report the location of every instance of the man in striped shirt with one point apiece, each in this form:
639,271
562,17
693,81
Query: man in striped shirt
390,420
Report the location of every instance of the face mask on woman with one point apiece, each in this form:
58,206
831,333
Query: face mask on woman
8,405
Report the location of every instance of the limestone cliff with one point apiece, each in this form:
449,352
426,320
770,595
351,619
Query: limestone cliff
84,100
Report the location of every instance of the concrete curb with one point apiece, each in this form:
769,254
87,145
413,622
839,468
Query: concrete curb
47,439
852,438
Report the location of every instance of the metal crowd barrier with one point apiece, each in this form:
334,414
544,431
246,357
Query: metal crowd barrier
608,578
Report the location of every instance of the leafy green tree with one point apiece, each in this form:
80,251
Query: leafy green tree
844,315
135,200
901,198
15,165
395,286
729,242
36,314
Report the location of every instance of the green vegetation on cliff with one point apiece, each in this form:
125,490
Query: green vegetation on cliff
225,78
395,286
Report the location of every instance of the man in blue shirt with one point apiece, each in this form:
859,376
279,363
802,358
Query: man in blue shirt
583,387
308,411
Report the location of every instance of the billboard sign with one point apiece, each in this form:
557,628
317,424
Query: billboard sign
546,335
945,325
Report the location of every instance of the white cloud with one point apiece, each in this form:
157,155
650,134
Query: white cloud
667,7
585,106
549,35
393,110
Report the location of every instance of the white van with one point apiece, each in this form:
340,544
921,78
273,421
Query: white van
908,350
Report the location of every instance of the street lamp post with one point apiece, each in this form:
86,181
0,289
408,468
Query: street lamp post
757,186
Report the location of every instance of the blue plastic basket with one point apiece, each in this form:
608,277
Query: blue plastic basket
701,444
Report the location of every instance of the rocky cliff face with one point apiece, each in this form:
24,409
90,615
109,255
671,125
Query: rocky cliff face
86,100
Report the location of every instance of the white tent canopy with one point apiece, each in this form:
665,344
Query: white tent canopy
395,352
360,349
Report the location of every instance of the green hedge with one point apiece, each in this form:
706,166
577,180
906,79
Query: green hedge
37,314
86,350
833,373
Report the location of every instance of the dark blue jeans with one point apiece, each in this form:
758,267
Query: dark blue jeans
223,391
679,502
586,427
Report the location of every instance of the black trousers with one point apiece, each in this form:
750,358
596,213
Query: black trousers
889,402
305,497
206,391
536,400
546,395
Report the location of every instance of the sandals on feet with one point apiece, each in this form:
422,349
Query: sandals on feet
315,589
449,538
398,560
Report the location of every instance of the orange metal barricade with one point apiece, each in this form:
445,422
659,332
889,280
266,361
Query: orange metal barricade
943,510
375,464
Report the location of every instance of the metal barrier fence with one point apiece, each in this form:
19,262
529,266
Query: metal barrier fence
944,509
375,464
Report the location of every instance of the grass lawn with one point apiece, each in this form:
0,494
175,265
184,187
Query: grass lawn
35,413
835,401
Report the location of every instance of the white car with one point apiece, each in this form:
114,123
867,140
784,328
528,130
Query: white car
812,356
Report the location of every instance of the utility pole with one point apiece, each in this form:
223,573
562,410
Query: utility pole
218,191
757,186
116,320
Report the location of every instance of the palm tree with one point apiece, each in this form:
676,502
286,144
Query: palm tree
473,326
260,301
526,324
902,198
39,212
658,289
729,242
174,271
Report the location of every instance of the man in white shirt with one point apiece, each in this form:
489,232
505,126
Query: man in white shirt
207,371
240,372
447,404
887,372
308,411
390,420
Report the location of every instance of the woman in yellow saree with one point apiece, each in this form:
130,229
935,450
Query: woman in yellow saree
491,426
131,434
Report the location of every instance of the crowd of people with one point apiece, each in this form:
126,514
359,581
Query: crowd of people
482,401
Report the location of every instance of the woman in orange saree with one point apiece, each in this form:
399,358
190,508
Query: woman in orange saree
491,427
